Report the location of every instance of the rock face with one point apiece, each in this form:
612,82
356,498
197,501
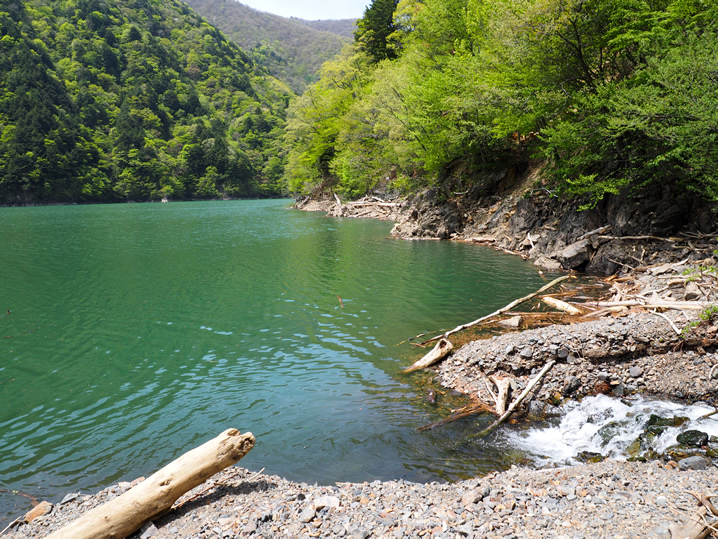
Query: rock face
619,231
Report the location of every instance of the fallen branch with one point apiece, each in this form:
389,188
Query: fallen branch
678,331
378,204
697,526
518,401
125,514
442,349
678,305
459,414
594,232
657,238
18,520
500,311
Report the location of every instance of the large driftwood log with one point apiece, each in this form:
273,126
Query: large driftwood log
125,514
502,310
442,349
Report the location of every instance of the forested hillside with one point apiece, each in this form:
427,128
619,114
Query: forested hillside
135,100
341,27
609,95
291,49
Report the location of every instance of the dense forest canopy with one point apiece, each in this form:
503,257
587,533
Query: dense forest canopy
135,100
291,49
607,94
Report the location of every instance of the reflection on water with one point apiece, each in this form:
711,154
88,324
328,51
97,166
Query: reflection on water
138,331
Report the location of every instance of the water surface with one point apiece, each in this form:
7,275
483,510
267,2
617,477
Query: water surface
137,332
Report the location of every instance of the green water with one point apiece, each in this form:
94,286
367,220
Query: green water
137,332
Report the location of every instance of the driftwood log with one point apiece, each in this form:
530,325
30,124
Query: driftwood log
442,349
561,305
503,395
697,526
125,514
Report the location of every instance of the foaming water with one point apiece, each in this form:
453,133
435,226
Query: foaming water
138,331
607,426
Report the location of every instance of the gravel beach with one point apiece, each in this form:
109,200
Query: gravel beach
606,499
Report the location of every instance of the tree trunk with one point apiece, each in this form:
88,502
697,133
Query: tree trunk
125,514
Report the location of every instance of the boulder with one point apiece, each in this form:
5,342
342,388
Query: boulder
693,463
576,255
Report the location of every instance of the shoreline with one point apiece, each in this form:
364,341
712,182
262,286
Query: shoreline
626,353
606,499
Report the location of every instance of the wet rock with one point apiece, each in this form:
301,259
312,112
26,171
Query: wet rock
539,410
590,456
666,421
573,384
692,438
548,263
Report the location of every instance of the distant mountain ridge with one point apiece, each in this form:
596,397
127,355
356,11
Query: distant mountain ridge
291,49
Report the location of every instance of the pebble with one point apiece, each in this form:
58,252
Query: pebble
605,499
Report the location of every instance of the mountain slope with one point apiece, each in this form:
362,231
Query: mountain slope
139,100
291,49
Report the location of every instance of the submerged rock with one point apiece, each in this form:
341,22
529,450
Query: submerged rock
590,457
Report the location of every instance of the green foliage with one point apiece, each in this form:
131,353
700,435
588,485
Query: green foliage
612,94
374,29
140,100
705,316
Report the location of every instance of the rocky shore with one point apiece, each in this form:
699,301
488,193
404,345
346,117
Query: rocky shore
622,347
607,499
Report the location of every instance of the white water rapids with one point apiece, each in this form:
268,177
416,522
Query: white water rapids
577,430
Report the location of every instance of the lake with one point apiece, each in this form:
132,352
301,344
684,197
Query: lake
131,333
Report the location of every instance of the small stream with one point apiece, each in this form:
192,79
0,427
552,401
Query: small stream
615,428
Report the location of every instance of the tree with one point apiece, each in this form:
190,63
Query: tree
374,29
